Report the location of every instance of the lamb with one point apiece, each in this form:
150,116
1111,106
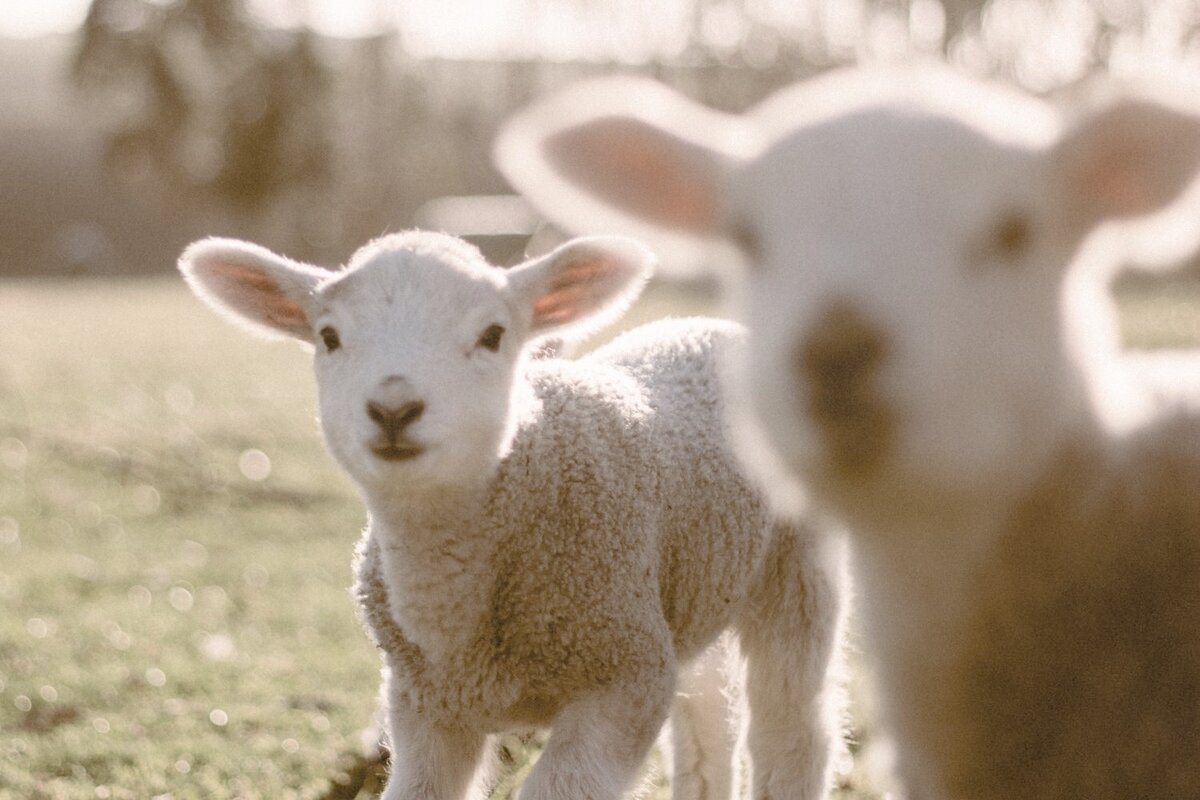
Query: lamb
934,358
552,543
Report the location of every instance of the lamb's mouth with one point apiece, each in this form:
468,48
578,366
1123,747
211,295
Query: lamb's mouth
394,451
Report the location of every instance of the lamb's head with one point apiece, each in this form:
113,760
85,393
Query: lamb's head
419,341
907,239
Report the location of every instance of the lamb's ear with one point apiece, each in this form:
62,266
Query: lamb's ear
1132,158
582,285
266,293
623,155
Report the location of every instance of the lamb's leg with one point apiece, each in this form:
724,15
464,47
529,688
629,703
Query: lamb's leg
432,762
704,728
598,744
789,635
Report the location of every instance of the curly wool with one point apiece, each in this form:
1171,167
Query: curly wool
620,535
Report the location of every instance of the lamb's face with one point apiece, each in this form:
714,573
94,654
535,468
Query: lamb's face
903,285
416,353
908,241
419,341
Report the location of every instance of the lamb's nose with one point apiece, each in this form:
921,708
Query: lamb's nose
840,357
393,419
839,361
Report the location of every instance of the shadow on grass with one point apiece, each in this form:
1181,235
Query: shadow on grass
363,779
365,775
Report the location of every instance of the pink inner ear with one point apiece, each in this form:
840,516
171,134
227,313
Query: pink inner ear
631,166
259,297
1129,160
557,307
1111,182
1119,188
578,288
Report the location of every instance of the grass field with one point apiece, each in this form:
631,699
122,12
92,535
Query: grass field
175,547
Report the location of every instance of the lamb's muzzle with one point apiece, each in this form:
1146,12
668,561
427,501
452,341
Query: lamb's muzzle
837,362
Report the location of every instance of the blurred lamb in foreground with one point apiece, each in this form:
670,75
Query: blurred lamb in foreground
552,543
934,356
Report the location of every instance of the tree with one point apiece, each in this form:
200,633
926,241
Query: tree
207,102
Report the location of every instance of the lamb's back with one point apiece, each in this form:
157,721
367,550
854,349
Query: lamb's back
628,498
713,520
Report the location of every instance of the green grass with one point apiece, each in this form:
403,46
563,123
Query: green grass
175,547
172,625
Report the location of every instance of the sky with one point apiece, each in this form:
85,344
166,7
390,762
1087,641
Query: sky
34,17
1048,43
478,28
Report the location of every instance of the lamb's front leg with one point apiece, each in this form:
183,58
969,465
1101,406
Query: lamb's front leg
790,636
704,726
431,761
598,743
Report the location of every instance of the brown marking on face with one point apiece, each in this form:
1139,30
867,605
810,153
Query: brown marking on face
838,362
1005,243
748,241
1013,235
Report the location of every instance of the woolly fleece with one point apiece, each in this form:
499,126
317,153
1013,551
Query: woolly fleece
622,536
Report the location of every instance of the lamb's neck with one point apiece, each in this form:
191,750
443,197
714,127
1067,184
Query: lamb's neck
913,573
436,558
920,565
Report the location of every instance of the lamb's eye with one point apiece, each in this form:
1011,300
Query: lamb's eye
747,240
1012,235
331,339
490,338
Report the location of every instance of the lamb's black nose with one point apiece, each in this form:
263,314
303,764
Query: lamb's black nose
392,420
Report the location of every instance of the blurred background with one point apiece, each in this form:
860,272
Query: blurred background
131,127
174,543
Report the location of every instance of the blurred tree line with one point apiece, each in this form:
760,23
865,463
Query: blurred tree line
324,142
208,103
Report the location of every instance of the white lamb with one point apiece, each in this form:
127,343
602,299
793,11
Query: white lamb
933,355
552,543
